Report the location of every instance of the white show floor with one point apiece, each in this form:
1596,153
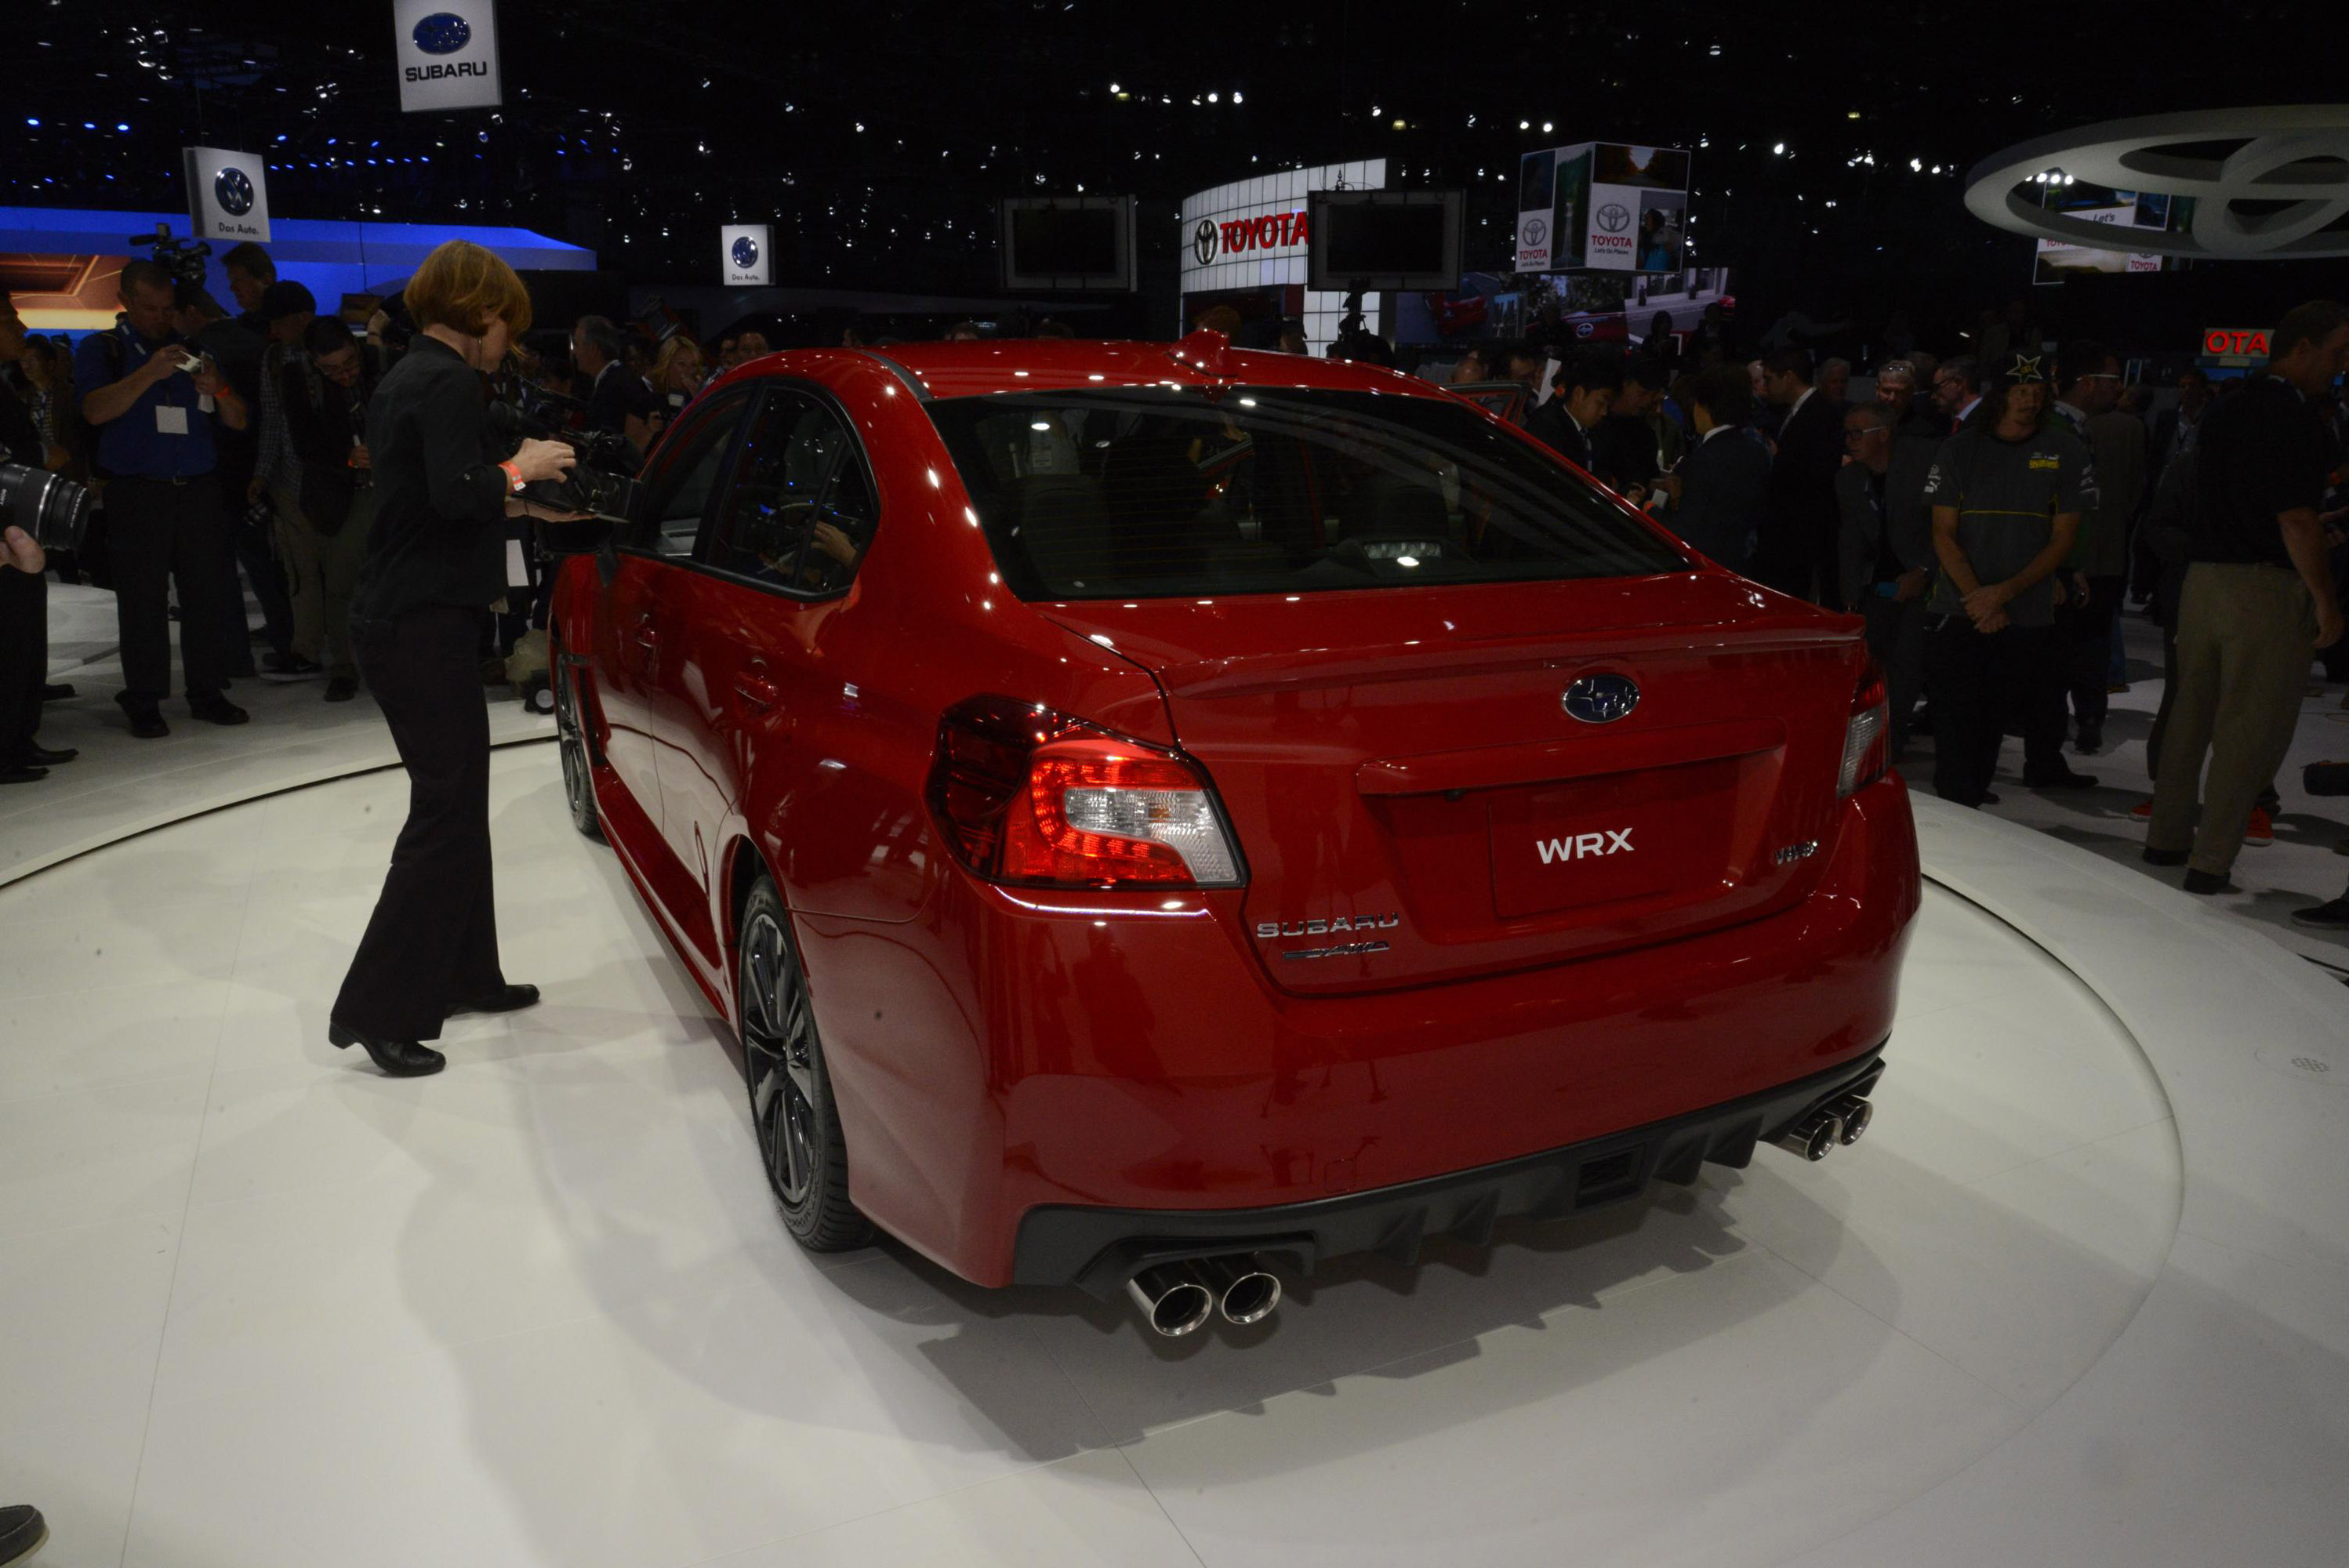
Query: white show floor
2081,1297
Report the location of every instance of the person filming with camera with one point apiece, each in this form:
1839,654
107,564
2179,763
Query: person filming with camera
436,564
152,404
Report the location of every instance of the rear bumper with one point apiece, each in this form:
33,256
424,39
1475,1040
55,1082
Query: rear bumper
1098,1250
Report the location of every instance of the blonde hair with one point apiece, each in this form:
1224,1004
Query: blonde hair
462,286
671,351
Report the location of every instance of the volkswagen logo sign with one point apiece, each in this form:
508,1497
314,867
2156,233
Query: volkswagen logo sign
1203,241
1602,699
745,251
234,191
1614,217
1536,230
442,33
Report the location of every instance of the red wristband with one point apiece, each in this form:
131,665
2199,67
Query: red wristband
514,478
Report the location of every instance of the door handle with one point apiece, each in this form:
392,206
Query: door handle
647,635
753,686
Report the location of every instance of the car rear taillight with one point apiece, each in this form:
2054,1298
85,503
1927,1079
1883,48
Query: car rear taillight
1868,735
1032,796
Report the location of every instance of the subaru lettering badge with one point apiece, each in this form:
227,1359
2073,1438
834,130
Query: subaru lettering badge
1614,217
746,252
1601,699
442,33
234,191
1203,241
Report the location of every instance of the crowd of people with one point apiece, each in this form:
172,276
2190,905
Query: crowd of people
1989,518
1991,522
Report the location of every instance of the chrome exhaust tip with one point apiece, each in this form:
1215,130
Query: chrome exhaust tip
1174,1300
1813,1137
1245,1289
1857,1114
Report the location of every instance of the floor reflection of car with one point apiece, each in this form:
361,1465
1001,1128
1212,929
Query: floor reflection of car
1150,811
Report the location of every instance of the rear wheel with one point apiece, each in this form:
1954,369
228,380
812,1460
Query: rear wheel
791,1093
571,740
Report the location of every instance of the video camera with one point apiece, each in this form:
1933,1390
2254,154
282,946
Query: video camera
182,256
601,482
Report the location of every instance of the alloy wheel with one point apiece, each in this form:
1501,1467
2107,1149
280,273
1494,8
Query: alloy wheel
779,1039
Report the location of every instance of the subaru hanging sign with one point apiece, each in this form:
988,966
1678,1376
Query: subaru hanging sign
228,193
447,53
742,259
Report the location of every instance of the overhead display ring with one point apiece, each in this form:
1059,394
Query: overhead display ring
2265,182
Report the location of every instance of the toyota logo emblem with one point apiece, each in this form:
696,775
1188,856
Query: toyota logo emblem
1203,241
442,33
234,191
1602,699
1536,230
1614,217
745,251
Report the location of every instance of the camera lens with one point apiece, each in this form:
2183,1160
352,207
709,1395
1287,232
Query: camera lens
52,508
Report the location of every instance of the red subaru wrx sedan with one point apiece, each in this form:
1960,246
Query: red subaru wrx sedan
1148,809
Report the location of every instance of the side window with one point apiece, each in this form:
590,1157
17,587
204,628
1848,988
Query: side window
800,510
678,489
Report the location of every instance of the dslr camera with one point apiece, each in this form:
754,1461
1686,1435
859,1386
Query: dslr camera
51,508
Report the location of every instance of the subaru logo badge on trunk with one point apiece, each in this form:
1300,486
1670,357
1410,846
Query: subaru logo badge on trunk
1601,699
442,33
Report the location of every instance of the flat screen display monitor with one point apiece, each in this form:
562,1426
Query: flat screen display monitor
1384,239
1068,242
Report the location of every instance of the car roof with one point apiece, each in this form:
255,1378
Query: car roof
1030,365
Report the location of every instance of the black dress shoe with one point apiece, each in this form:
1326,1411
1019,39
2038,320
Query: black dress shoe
21,773
397,1058
56,693
341,688
22,1533
42,757
2154,857
2209,882
217,710
2064,781
511,999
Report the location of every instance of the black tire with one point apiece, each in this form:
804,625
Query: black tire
571,740
800,1143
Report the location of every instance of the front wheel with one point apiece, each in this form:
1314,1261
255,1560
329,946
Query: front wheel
791,1093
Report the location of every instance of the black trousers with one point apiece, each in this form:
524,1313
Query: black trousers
1977,683
164,533
1896,635
23,659
433,938
2088,648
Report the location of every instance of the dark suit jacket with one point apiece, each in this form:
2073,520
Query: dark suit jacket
1551,426
1799,536
1725,484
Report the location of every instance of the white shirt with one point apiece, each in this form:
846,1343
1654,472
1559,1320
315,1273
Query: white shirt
1709,434
1967,410
1796,406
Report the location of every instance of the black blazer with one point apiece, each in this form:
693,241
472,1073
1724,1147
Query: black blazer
1724,494
1801,530
1550,424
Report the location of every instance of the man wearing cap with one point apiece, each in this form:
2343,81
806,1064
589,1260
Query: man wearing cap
2007,492
285,311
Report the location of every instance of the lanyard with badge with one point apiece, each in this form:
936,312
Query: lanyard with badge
170,418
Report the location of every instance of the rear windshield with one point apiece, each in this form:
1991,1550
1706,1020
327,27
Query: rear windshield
1165,492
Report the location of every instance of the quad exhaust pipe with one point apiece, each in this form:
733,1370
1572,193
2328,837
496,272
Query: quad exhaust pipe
1843,1120
1179,1298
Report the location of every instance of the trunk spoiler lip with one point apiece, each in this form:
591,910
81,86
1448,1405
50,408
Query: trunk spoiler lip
1190,675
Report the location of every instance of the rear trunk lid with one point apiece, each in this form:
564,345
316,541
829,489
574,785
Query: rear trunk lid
1416,804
